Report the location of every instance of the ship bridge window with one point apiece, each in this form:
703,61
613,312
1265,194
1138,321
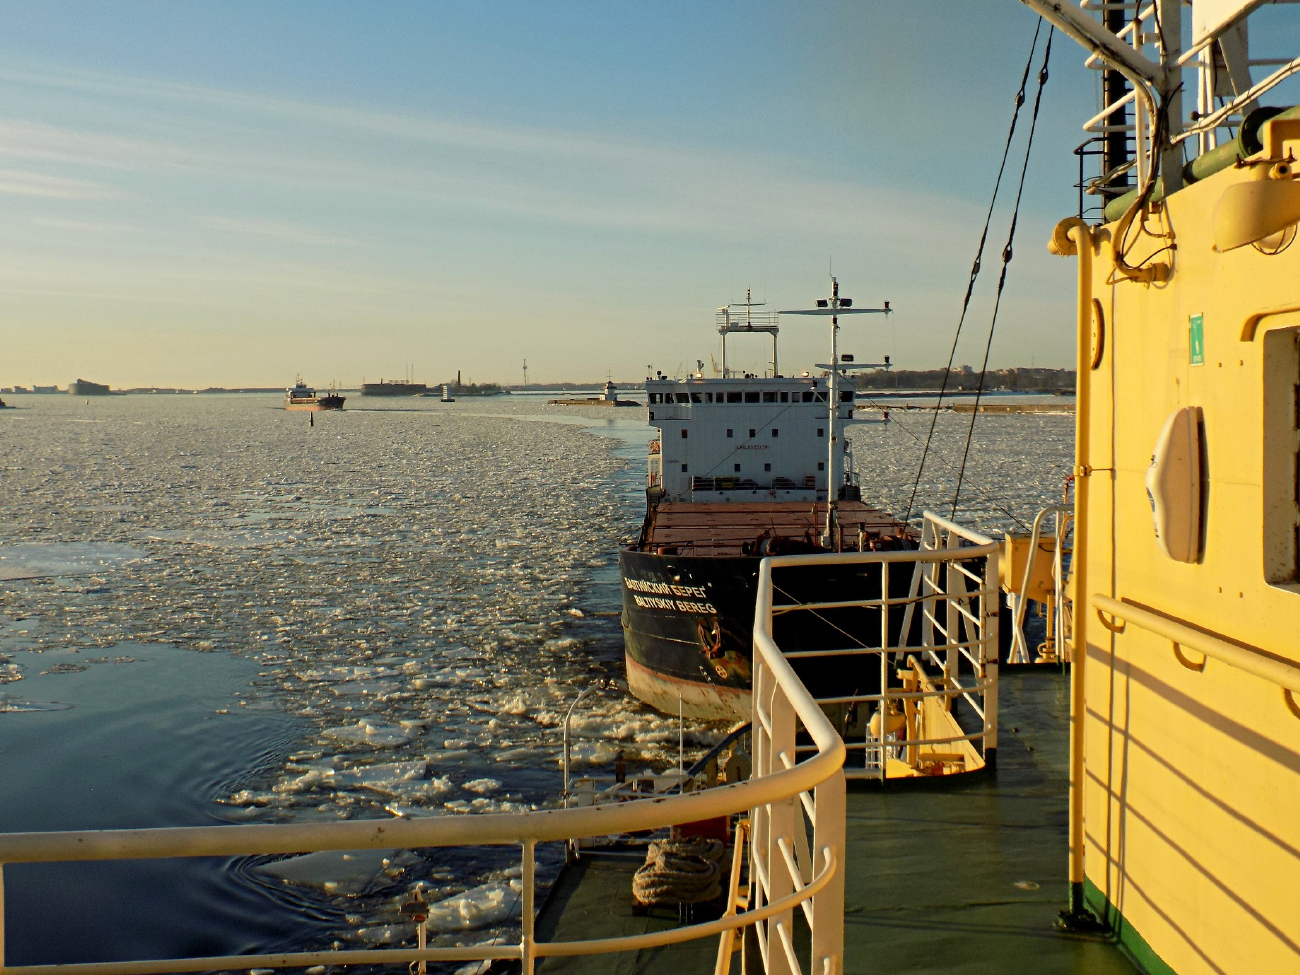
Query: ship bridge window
807,396
821,396
769,397
737,468
821,431
776,432
785,397
683,397
684,433
733,397
729,433
752,433
846,396
751,397
654,397
696,398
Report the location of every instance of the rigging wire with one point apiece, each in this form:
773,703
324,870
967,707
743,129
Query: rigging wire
975,267
1007,254
991,502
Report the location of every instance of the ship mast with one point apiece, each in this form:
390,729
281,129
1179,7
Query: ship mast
835,306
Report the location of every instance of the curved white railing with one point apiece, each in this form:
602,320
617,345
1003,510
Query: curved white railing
771,794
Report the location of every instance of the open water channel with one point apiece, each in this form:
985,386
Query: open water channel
212,612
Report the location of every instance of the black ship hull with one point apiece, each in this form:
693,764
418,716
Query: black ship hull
688,629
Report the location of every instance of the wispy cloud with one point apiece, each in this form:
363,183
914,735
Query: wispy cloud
17,182
280,229
87,226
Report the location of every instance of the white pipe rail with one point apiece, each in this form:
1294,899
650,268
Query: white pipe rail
970,601
770,795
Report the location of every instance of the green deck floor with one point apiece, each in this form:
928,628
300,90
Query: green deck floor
940,875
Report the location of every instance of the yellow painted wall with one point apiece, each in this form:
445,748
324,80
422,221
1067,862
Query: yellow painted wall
1192,796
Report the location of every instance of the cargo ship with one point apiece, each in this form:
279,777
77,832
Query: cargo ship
302,397
394,387
744,466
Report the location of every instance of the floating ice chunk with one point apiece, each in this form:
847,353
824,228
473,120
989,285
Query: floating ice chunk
589,753
10,673
482,786
385,934
562,643
347,872
366,732
478,907
13,705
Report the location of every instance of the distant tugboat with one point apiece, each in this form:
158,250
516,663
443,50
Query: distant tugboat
303,397
744,467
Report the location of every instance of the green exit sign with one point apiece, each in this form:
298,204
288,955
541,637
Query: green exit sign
1196,340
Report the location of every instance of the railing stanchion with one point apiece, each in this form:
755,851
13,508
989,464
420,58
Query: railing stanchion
828,906
527,921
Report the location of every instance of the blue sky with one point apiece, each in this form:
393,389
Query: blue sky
230,194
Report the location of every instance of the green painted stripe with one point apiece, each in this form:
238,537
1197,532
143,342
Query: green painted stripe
1133,942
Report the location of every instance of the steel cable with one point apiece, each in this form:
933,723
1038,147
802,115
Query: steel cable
975,267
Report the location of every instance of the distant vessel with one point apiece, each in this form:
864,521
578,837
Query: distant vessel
84,387
608,397
45,389
394,387
303,397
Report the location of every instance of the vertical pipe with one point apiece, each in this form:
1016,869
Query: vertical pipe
883,730
527,924
1082,238
832,421
1115,148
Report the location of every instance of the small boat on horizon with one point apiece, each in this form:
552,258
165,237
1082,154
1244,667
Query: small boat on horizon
303,397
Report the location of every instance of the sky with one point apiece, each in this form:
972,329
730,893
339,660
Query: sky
234,194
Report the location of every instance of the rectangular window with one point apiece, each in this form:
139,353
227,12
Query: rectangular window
769,397
821,465
751,397
846,396
752,433
696,398
708,397
736,468
733,397
807,396
728,431
1281,456
654,397
785,397
776,432
683,397
684,433
767,467
821,431
820,396
683,468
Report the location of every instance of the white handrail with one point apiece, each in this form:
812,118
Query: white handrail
776,786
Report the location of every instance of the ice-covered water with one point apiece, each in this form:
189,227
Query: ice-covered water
416,591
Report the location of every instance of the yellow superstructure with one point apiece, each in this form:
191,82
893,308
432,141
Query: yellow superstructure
1190,763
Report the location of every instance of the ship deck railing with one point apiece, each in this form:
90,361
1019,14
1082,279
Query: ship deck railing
936,646
800,873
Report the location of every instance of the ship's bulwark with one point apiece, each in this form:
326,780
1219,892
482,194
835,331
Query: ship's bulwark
688,629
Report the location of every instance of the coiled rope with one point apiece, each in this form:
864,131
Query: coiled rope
685,871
